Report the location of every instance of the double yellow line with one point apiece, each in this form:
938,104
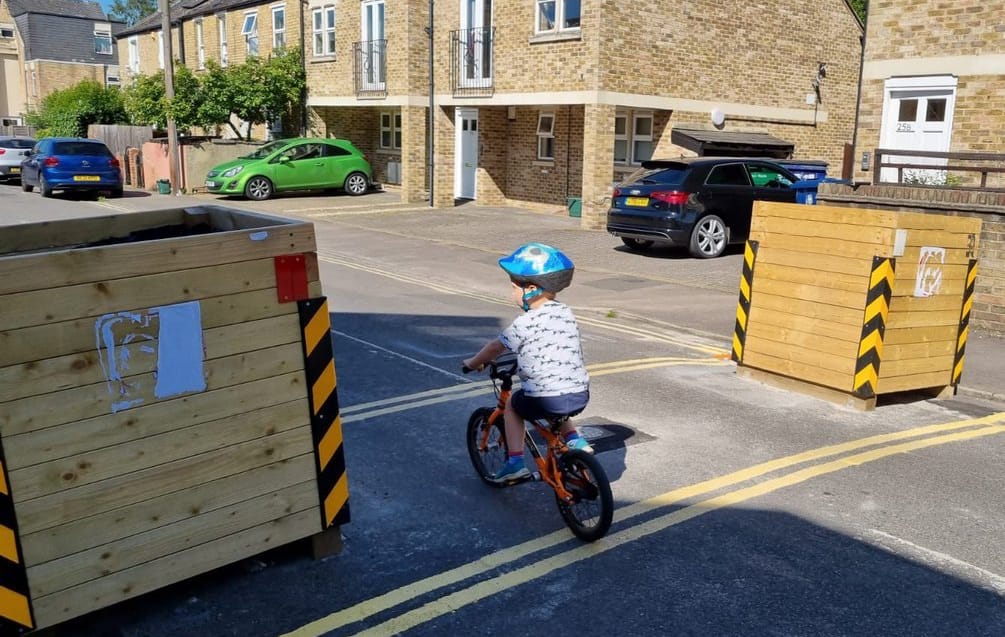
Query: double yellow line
850,454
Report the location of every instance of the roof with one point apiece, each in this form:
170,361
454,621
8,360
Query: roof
187,9
64,38
740,144
65,8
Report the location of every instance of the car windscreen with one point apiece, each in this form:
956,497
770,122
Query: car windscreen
17,143
671,176
80,148
266,150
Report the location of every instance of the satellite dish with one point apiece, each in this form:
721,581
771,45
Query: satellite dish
718,117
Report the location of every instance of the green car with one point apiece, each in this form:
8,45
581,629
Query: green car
301,163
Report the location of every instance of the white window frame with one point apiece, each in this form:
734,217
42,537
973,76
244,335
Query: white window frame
636,116
543,136
134,53
200,44
323,30
160,48
560,10
250,32
221,30
104,32
7,31
278,35
625,137
392,128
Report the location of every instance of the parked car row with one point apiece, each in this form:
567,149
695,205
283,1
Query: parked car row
60,163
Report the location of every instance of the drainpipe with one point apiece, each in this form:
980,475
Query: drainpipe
303,64
431,118
858,96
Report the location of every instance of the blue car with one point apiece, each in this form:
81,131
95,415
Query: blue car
71,163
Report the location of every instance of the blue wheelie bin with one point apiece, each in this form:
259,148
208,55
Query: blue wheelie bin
806,189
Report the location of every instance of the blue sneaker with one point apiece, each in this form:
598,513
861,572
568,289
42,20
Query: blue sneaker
514,469
579,444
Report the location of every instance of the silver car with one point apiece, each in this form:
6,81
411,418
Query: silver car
12,151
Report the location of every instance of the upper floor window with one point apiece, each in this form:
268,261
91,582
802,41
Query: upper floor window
323,20
7,32
200,44
278,27
103,39
250,32
134,54
557,15
546,136
160,49
221,23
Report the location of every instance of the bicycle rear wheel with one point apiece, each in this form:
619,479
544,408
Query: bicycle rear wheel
488,452
589,514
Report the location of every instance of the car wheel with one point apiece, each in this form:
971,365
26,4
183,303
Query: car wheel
258,188
116,193
637,245
25,186
43,188
356,184
709,237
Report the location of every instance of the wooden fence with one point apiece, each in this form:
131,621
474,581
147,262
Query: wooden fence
119,138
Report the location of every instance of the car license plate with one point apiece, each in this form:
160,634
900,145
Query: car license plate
86,178
15,171
211,184
636,201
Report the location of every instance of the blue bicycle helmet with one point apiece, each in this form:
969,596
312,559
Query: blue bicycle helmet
542,265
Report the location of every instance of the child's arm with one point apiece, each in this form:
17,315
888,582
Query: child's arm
489,352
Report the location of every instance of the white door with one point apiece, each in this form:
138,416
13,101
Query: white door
917,118
466,122
373,69
475,48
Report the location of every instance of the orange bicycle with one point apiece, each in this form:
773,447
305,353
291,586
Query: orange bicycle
582,490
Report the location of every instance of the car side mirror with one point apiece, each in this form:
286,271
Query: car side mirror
285,159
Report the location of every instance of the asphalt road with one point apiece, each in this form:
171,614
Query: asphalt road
741,509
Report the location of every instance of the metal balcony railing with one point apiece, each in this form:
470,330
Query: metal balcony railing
370,68
471,61
961,171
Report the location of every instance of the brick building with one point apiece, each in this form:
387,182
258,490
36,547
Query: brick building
49,45
933,79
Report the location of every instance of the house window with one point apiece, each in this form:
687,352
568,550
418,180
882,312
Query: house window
324,30
200,45
7,32
250,32
134,54
278,27
621,138
642,137
160,49
112,80
103,39
390,130
557,15
221,22
546,136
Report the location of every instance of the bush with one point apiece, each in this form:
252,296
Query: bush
68,113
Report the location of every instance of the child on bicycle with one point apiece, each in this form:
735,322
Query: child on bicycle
549,354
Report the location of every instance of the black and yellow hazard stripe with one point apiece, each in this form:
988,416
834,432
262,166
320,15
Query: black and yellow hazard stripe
743,306
326,423
961,338
877,307
15,599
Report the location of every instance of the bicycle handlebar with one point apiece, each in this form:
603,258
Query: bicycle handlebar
502,367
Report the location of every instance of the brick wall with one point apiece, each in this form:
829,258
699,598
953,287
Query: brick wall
989,294
56,76
529,179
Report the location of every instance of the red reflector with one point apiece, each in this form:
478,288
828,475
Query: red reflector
114,161
616,193
2,151
671,197
51,161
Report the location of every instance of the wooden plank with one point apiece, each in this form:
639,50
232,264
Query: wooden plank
78,403
66,232
807,276
90,499
227,218
910,383
912,366
812,247
87,265
847,331
917,350
93,467
822,263
899,320
807,309
942,223
937,303
844,238
807,292
798,341
83,598
39,307
56,374
952,284
102,561
814,391
795,369
938,333
81,436
70,337
909,260
810,358
827,214
110,526
942,238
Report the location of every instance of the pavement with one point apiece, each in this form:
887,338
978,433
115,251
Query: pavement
665,287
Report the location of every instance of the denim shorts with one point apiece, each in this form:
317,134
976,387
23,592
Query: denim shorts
544,407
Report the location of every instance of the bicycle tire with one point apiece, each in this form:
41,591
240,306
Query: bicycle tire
584,477
486,463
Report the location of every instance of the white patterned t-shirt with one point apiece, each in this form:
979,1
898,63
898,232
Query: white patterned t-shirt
548,350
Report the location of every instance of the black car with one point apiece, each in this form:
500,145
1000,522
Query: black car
703,203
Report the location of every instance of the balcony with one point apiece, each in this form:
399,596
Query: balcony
959,171
370,68
471,61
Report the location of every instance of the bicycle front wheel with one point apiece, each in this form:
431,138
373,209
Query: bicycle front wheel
589,514
486,445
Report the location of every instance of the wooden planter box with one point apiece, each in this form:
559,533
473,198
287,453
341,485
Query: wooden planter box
158,414
849,303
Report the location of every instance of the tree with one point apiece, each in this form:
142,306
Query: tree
67,113
132,11
264,90
860,7
147,105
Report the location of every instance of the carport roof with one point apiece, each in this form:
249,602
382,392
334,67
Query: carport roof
727,143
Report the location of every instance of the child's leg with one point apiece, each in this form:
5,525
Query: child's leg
514,429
